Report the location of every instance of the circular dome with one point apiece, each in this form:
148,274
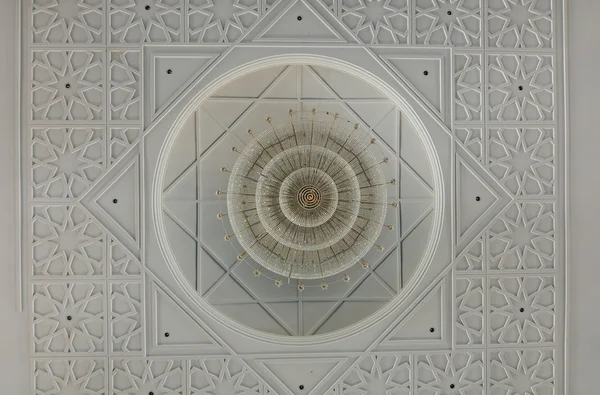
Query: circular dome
320,218
307,199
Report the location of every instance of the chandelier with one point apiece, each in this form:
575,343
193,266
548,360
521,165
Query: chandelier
307,198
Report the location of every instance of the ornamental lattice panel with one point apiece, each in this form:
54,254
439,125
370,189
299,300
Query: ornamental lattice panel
294,196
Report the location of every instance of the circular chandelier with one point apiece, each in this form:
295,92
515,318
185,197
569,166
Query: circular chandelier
307,198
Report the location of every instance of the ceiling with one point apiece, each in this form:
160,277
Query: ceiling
132,287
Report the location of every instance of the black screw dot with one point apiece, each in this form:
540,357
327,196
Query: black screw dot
431,330
67,86
520,87
69,318
115,201
147,7
521,309
299,17
169,71
449,13
477,198
426,72
301,387
167,334
150,393
451,385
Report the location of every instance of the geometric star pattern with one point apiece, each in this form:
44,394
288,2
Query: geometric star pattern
67,22
523,159
141,21
470,311
69,152
381,374
520,24
66,161
224,376
522,310
377,21
69,376
448,22
468,81
126,325
139,376
124,97
522,372
520,88
220,21
456,373
67,85
66,242
523,238
69,318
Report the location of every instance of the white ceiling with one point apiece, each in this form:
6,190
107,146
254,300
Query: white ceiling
521,274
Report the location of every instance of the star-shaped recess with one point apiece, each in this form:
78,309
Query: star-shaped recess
221,21
523,372
139,21
223,376
523,159
520,24
66,242
448,22
139,376
67,21
65,162
521,88
124,76
67,85
522,310
69,318
381,374
523,238
377,21
457,373
64,376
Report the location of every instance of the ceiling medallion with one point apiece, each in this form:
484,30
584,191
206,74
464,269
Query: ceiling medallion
307,198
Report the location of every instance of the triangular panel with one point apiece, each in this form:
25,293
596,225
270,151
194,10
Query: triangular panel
303,375
114,201
299,22
479,198
172,74
424,75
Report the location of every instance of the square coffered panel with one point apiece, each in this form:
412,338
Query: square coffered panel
294,197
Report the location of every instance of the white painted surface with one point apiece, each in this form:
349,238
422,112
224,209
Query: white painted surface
14,370
584,270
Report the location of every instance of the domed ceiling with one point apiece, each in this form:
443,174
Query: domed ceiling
298,200
301,197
